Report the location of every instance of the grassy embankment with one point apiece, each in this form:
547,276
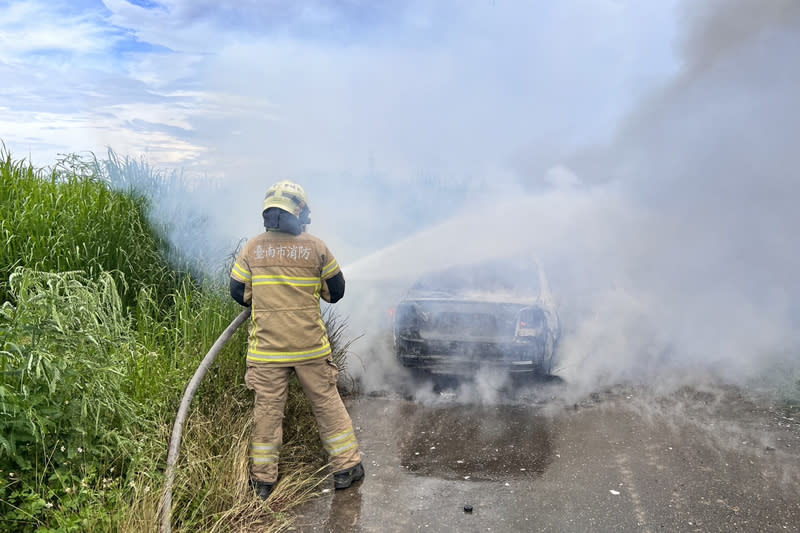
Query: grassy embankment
99,335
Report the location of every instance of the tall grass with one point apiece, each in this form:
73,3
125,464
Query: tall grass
66,219
99,334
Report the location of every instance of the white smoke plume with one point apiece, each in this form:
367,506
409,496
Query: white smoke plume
672,250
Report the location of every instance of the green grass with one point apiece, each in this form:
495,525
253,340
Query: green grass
101,329
68,218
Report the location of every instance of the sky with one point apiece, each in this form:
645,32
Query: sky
391,98
645,152
414,87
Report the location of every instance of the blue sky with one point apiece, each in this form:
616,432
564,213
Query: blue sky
446,88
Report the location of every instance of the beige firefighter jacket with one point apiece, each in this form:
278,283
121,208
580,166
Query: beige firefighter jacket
283,276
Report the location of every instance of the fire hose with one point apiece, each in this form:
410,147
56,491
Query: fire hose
183,411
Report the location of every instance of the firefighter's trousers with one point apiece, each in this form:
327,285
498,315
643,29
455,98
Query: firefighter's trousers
271,386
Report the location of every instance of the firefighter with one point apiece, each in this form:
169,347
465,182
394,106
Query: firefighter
281,274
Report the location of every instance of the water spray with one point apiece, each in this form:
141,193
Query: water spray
183,411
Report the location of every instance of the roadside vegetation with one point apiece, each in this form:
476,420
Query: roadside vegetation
101,328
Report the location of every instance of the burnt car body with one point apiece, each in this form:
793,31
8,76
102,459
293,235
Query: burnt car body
467,318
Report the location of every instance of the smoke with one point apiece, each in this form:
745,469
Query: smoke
710,159
718,28
671,249
669,239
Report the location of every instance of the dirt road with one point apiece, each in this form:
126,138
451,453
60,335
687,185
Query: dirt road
621,460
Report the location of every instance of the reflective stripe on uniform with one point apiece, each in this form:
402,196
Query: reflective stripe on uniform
263,453
264,459
330,267
263,446
288,357
278,279
240,273
340,443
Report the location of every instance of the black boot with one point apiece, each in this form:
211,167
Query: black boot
262,488
345,478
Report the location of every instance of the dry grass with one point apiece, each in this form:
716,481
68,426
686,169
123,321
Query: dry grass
211,485
340,344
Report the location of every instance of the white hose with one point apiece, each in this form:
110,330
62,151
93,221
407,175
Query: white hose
183,411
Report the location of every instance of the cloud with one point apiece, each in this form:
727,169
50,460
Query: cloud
33,27
414,87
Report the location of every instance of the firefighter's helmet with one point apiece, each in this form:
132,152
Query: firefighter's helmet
290,197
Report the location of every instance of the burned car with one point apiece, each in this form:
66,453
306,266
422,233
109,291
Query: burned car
466,318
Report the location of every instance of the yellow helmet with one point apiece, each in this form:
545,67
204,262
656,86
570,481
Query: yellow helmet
290,197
